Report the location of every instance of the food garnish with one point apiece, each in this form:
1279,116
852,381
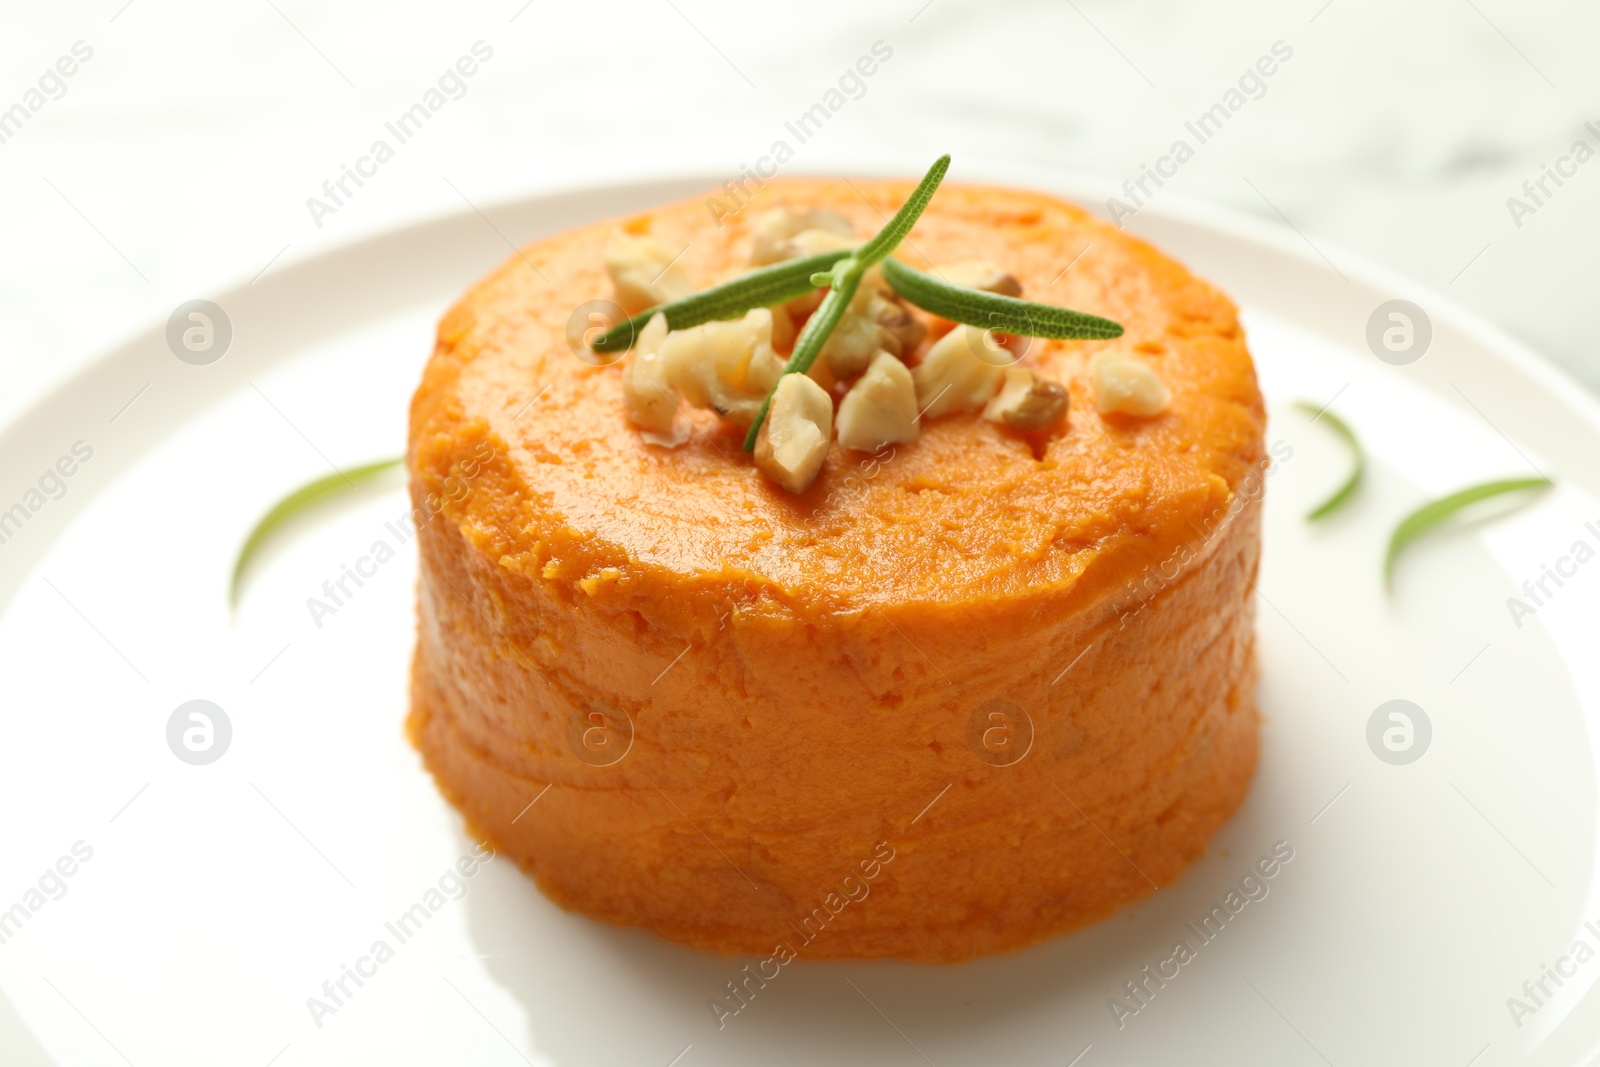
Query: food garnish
1027,402
995,310
961,371
1432,514
1358,459
296,502
719,348
759,288
979,274
778,233
844,277
1127,386
880,408
793,440
643,271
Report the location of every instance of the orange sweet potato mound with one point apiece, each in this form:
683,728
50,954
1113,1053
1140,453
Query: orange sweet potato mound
789,681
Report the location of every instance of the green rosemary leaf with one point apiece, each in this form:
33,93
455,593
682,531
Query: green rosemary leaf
763,287
295,502
1358,459
1431,515
888,239
844,279
993,311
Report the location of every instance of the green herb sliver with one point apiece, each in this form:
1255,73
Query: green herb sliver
1358,459
1432,514
295,502
843,279
763,287
994,311
898,229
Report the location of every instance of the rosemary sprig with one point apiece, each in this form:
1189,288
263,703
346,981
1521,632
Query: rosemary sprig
295,502
808,345
1432,514
899,228
764,287
994,311
843,278
1358,459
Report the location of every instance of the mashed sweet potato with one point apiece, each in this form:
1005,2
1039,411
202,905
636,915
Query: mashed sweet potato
735,694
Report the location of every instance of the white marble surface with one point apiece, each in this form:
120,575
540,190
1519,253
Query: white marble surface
179,159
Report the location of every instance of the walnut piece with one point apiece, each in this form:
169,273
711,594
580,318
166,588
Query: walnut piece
726,366
979,274
880,408
776,232
793,440
643,272
648,396
1127,386
960,372
1027,402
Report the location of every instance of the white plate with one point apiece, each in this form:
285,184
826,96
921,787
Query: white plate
218,898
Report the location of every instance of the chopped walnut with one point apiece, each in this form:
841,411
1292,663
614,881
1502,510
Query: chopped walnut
1127,386
643,272
816,242
777,230
783,330
872,322
960,372
793,440
979,274
852,344
812,243
726,366
783,235
904,330
880,408
1027,402
648,397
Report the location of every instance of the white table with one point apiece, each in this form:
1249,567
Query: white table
179,159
